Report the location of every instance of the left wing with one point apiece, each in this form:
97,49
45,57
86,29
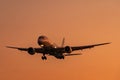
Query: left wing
22,49
87,46
37,50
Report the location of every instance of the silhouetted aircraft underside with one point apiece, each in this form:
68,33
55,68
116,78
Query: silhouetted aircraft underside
49,48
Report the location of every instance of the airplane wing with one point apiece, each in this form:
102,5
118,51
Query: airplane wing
37,50
60,50
87,46
22,49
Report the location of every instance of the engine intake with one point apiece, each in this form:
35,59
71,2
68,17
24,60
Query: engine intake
31,51
68,49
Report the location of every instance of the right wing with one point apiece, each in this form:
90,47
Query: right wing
87,46
74,48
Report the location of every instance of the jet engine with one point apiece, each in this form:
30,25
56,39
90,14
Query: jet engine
31,51
68,49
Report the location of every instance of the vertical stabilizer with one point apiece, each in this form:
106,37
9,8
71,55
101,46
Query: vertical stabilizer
63,42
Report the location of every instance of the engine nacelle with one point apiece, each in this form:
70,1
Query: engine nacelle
31,51
68,49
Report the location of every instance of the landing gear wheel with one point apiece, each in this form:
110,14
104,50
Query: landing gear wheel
44,58
63,57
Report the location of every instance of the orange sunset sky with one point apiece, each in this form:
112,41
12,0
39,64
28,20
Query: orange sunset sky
81,22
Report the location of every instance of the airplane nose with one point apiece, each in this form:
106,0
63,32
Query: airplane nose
42,39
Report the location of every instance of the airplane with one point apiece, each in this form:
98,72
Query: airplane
49,48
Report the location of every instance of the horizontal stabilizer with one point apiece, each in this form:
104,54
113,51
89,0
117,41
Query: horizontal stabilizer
73,54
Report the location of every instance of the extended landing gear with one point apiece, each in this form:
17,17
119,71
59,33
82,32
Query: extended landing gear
62,57
44,58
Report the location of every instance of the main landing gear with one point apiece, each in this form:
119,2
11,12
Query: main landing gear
44,57
62,57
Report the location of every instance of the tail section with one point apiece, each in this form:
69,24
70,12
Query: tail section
63,42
